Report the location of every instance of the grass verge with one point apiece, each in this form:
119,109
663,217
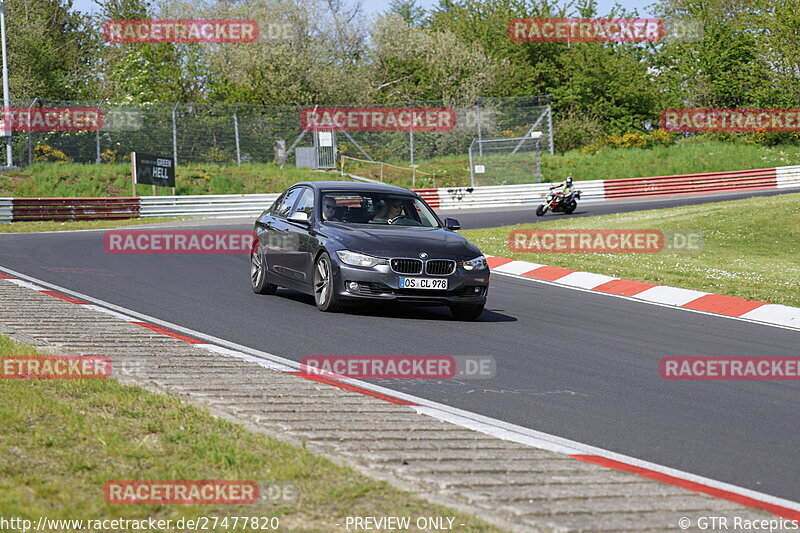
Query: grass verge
63,439
55,179
38,227
692,157
750,248
114,179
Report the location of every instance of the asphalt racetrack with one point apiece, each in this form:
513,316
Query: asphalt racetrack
577,364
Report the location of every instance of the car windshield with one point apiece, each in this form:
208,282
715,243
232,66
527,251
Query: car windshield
376,208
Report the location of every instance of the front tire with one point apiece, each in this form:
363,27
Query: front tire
324,286
258,272
541,210
466,311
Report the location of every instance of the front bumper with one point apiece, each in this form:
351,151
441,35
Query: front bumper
382,283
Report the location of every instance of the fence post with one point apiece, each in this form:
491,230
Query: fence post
550,126
471,171
30,142
175,135
6,99
97,139
381,170
411,142
236,134
480,136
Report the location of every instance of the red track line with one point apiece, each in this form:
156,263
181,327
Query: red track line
495,262
693,486
165,331
64,297
623,287
548,273
353,388
723,305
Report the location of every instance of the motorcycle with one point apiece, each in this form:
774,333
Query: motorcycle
557,202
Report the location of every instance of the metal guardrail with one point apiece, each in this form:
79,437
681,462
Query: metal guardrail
6,213
509,195
251,205
787,177
222,205
691,183
62,209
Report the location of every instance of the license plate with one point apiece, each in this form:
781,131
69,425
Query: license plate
423,283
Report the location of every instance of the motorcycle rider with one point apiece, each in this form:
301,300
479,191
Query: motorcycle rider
563,200
566,187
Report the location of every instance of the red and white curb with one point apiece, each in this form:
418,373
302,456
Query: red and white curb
717,304
465,419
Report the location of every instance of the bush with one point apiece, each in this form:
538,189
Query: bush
772,138
632,140
218,155
762,138
43,153
109,156
575,132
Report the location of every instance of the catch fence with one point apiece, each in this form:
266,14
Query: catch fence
232,134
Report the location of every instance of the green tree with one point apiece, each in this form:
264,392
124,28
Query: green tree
717,63
408,10
51,50
148,72
527,67
317,58
410,63
777,24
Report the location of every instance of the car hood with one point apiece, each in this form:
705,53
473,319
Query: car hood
384,241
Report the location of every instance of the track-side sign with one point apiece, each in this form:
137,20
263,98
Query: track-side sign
153,170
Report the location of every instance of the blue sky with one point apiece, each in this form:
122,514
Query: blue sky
379,6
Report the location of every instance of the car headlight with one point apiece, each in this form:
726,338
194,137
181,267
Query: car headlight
360,260
479,263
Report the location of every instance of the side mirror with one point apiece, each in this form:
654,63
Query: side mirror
451,224
300,217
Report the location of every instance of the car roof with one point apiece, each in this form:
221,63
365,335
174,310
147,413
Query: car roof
349,186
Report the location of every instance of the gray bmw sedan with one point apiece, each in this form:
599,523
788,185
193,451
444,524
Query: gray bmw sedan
353,242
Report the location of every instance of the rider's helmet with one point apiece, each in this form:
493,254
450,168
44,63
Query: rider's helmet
568,181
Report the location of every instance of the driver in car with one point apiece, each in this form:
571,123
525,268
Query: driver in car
329,209
391,210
